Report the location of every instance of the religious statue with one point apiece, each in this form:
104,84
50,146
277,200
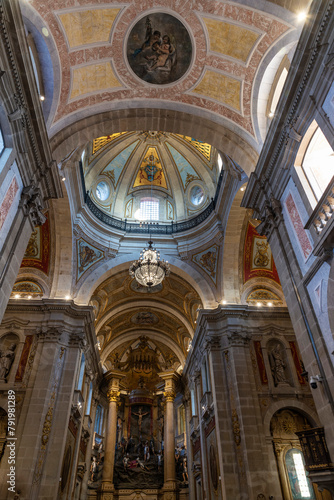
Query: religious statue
119,428
6,360
185,471
277,365
93,469
140,416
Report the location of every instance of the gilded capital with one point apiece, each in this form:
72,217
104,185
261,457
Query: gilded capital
170,395
112,395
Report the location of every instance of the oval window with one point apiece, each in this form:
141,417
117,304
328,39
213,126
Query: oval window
102,191
196,195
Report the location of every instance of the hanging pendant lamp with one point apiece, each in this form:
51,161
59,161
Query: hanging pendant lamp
149,270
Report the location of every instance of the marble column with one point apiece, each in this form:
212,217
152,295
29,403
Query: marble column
113,378
170,378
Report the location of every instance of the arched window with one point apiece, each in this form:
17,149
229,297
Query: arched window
277,90
318,163
36,65
98,419
181,419
149,209
205,377
193,402
81,372
89,400
2,143
315,163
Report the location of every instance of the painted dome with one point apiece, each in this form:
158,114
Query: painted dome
151,176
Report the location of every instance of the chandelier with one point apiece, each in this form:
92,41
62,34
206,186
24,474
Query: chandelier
149,270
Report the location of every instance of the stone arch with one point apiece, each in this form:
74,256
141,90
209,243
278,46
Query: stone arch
299,406
61,233
231,255
142,116
157,306
154,336
123,262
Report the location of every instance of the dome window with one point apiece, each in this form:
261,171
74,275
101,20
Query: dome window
220,162
196,195
149,209
102,191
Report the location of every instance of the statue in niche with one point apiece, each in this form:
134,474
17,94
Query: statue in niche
95,472
93,469
140,416
6,360
277,365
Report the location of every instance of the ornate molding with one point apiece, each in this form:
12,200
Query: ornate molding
50,334
236,339
49,416
213,343
236,427
29,125
31,203
77,339
271,216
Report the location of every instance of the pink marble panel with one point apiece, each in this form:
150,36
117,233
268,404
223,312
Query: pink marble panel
272,29
298,226
8,201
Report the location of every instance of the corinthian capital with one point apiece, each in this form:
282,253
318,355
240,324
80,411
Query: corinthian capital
170,395
113,395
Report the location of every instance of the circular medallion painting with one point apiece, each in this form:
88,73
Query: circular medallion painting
159,49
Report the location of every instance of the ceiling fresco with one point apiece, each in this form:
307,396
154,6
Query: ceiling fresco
159,49
151,163
168,312
205,55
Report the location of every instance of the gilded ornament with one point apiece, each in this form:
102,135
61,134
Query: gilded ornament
261,258
170,395
32,248
236,427
47,426
113,395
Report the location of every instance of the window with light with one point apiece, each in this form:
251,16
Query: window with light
300,485
2,143
315,164
149,209
318,163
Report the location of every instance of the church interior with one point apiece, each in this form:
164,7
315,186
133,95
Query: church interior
166,250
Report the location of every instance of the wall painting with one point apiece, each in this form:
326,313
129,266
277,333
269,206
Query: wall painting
258,259
87,256
37,253
208,261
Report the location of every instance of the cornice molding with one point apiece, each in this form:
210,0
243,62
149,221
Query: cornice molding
285,127
25,113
